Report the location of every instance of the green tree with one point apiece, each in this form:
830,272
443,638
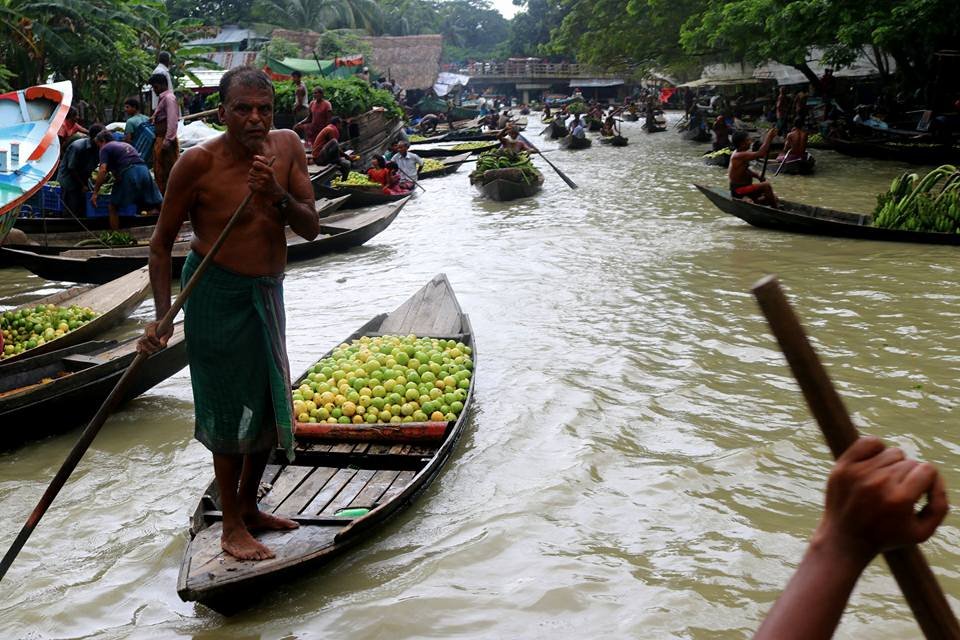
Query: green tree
212,12
472,29
530,28
320,15
409,17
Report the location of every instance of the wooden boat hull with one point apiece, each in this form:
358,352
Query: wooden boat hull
30,120
113,301
630,117
800,167
444,153
452,165
909,153
556,130
504,190
32,226
800,218
359,196
569,142
614,141
340,232
327,477
695,135
41,409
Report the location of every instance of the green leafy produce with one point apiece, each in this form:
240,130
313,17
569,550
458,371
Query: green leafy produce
917,204
815,139
354,179
107,187
726,151
31,327
386,379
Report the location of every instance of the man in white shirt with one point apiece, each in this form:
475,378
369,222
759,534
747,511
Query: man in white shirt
408,163
163,68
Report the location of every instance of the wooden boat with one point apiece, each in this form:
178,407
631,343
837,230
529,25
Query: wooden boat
614,141
383,476
630,117
30,120
451,165
913,153
359,196
57,224
593,124
113,302
57,391
656,128
429,140
471,135
722,160
444,152
556,130
503,190
338,232
569,142
697,134
801,218
800,166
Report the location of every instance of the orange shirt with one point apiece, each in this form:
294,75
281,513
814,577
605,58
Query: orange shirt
328,133
379,175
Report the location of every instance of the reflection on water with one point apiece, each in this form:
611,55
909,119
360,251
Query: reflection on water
639,464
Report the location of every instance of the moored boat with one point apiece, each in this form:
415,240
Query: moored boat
451,165
931,153
366,480
630,117
614,141
360,196
57,391
337,232
801,218
572,143
30,120
59,224
799,166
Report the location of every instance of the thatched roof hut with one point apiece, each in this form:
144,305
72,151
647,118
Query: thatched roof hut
413,61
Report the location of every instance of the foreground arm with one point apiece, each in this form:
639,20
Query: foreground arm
101,178
301,212
176,204
762,151
869,509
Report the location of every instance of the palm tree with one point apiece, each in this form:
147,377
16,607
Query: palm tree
322,15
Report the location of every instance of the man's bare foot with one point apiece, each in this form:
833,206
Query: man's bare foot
243,546
260,521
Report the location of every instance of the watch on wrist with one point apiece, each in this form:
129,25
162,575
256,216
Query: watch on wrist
283,203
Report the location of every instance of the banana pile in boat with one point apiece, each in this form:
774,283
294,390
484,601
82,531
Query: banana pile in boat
504,164
916,204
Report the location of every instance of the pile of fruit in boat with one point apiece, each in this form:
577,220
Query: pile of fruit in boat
354,179
31,327
432,164
386,379
504,164
928,204
469,146
107,187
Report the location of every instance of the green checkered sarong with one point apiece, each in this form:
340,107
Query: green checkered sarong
235,331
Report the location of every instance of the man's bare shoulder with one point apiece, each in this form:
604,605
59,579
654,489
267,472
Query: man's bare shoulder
286,140
200,158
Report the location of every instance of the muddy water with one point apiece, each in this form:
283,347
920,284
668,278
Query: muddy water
639,463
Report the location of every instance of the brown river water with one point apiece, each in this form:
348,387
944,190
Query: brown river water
639,463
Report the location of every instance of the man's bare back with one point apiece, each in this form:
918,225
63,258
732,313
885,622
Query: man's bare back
796,143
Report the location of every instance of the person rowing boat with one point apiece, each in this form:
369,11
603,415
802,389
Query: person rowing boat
795,144
741,175
234,321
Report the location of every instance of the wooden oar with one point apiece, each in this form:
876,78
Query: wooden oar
909,567
780,168
563,176
129,376
201,114
410,179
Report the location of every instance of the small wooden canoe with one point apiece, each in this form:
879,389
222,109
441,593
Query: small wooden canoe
338,232
801,218
325,478
113,302
630,117
451,165
556,130
30,120
572,143
503,190
614,141
913,153
54,392
697,134
359,196
444,152
797,167
54,224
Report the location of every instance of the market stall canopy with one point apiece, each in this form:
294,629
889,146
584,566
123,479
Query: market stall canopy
308,67
863,67
447,82
208,78
411,61
595,83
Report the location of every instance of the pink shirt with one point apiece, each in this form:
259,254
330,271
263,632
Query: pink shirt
167,114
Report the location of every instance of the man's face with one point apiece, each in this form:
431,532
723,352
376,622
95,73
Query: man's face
402,148
157,89
318,95
296,79
130,111
248,114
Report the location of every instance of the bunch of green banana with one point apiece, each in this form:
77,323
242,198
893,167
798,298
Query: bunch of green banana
914,204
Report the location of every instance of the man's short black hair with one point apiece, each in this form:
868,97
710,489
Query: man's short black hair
296,74
133,102
335,120
739,137
245,77
104,136
164,58
94,130
158,79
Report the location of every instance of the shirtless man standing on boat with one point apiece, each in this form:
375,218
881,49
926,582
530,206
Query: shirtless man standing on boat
234,322
795,143
741,175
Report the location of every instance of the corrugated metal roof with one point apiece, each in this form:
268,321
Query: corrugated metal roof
229,35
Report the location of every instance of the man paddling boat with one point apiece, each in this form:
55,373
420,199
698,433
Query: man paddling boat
741,175
234,321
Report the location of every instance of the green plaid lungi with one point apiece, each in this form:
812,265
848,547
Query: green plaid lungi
235,331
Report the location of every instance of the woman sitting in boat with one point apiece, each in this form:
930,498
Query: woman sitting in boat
378,171
395,184
741,175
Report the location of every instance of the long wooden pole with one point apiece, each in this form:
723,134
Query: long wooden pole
563,176
909,567
119,389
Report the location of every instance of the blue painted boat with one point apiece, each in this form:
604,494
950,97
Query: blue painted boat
29,147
